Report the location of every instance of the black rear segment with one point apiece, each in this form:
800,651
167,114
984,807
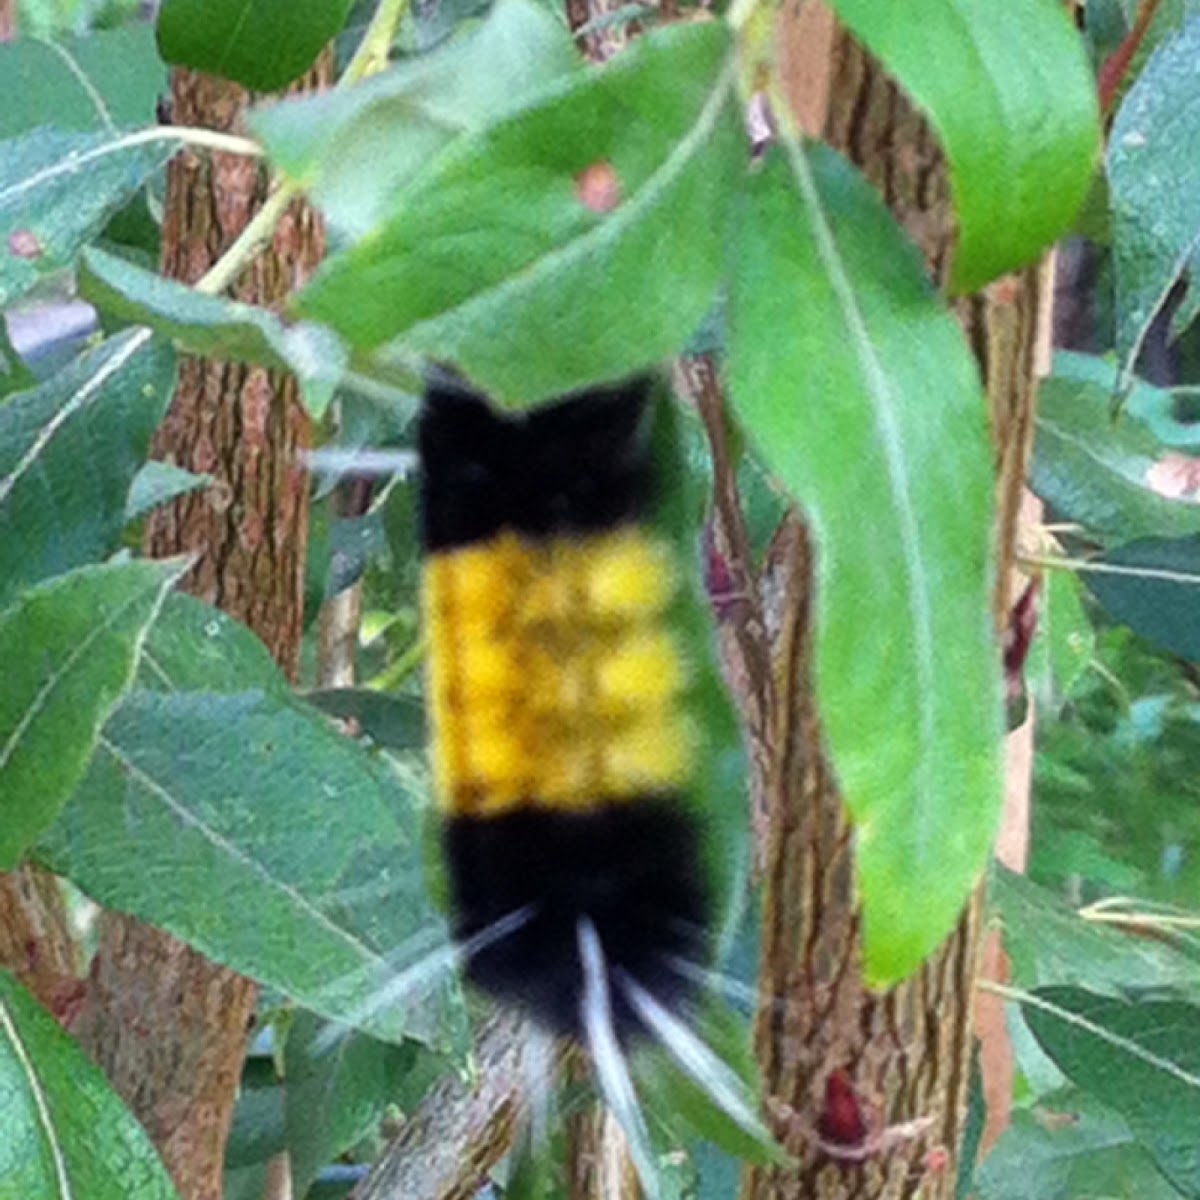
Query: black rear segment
631,867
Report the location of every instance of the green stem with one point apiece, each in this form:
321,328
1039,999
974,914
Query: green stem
249,242
373,51
370,58
392,676
192,135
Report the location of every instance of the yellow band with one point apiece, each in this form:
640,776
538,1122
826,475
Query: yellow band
555,679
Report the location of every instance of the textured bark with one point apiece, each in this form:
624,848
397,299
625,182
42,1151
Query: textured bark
36,942
243,425
460,1131
167,1026
600,1166
903,1055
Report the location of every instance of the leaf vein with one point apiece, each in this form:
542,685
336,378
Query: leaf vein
42,696
68,410
65,1191
646,196
888,426
239,856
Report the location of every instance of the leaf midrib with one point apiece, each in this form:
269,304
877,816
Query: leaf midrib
74,404
645,197
888,427
42,697
8,1025
235,854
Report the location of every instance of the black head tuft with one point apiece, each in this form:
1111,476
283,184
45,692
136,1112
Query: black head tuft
578,465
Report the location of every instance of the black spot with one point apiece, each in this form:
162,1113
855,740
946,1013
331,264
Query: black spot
631,867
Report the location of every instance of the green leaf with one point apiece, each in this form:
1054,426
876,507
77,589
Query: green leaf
215,327
1070,637
355,149
1168,413
861,396
335,1096
1140,1058
64,1133
1154,174
261,44
1156,592
258,1132
57,189
1050,943
1064,642
248,803
69,649
15,375
158,482
494,250
1069,1149
352,542
195,647
69,451
391,721
108,78
1013,101
1097,473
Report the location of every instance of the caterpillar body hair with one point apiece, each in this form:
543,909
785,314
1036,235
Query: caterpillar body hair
568,747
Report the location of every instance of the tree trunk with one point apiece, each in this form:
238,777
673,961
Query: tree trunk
8,20
167,1026
36,942
828,1047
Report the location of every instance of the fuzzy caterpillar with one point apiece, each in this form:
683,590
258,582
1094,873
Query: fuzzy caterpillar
580,740
562,741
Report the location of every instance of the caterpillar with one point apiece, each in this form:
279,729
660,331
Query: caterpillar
576,748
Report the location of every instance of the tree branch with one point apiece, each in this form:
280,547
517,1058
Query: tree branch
461,1130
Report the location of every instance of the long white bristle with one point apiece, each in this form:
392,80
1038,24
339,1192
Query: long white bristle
421,975
612,1072
696,1058
734,990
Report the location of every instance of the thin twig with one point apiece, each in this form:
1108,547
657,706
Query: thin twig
373,53
1059,563
1141,920
730,526
1115,69
370,58
257,234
